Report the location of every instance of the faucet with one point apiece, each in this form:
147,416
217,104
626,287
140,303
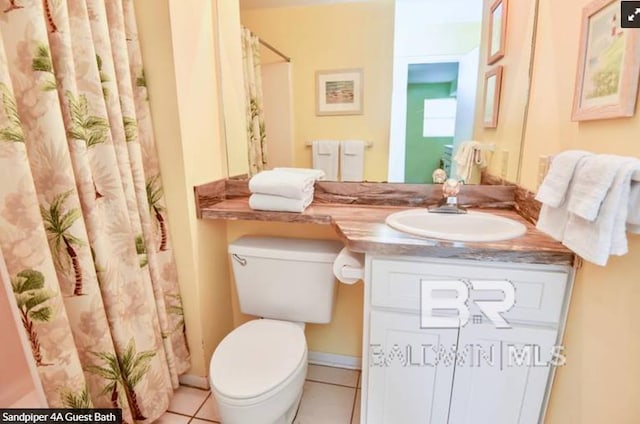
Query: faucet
449,202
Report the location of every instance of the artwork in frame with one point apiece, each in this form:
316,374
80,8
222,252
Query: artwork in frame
492,87
339,92
497,31
608,65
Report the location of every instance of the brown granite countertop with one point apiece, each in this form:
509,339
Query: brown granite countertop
362,228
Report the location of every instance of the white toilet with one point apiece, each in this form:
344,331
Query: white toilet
258,370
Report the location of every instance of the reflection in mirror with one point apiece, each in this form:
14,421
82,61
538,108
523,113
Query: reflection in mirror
422,82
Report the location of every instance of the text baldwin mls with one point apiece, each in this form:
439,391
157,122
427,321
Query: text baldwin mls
60,416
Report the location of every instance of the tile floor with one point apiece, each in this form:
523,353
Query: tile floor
331,396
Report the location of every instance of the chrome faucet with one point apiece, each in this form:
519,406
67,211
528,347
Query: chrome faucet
449,202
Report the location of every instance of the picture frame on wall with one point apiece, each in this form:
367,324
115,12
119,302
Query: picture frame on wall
492,88
608,65
339,92
497,31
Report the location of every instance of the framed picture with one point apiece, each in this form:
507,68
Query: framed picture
339,92
608,65
497,31
492,84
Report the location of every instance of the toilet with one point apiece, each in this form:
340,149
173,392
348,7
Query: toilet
258,370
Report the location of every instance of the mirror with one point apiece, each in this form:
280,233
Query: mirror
423,83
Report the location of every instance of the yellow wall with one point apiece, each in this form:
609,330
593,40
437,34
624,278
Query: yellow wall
515,85
338,36
179,57
343,336
600,380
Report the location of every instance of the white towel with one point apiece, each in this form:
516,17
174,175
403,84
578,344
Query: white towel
325,157
318,174
606,235
352,160
553,189
553,219
280,183
633,220
266,202
470,154
592,183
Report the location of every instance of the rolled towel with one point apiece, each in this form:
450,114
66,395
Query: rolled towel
553,190
280,183
267,202
318,174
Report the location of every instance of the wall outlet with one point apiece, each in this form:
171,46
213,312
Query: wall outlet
504,166
543,168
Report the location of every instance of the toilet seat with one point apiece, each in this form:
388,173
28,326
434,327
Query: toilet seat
257,359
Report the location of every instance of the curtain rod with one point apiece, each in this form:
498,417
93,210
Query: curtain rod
273,49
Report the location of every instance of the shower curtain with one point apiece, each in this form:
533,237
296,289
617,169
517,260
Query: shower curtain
256,134
83,226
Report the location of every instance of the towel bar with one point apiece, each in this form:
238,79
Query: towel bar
367,144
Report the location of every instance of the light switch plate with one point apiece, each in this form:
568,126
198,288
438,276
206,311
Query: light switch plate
543,168
505,164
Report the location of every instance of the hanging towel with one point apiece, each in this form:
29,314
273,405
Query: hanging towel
318,174
325,157
633,220
596,240
592,183
469,156
352,160
267,202
553,190
280,183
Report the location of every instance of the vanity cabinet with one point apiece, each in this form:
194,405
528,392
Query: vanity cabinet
475,373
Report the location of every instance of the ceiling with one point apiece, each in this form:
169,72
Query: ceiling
262,4
433,73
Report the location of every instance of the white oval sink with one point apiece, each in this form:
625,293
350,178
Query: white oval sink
472,226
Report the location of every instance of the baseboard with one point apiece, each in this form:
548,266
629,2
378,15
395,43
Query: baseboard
194,381
333,360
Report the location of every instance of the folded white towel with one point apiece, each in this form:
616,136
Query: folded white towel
470,155
325,155
553,189
352,160
318,174
592,183
266,202
280,183
606,235
633,220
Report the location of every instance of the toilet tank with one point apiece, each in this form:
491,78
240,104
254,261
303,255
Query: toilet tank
283,278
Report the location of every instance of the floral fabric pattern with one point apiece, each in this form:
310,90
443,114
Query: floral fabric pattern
83,225
256,133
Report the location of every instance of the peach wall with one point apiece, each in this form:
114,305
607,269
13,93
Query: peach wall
335,36
599,383
179,52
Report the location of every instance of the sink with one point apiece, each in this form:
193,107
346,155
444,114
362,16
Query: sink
472,226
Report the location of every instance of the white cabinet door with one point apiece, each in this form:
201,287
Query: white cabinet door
501,374
410,370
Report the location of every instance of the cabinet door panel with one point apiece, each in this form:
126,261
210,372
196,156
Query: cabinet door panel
409,379
501,378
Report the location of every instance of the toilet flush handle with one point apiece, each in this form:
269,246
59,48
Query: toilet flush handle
242,261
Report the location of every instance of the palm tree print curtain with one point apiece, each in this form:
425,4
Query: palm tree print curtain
83,226
256,135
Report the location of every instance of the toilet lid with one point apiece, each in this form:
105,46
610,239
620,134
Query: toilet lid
256,357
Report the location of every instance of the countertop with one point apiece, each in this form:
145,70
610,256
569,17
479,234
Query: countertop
362,228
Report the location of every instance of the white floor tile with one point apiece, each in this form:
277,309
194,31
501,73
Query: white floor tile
196,420
356,409
325,404
169,418
187,400
333,375
209,410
